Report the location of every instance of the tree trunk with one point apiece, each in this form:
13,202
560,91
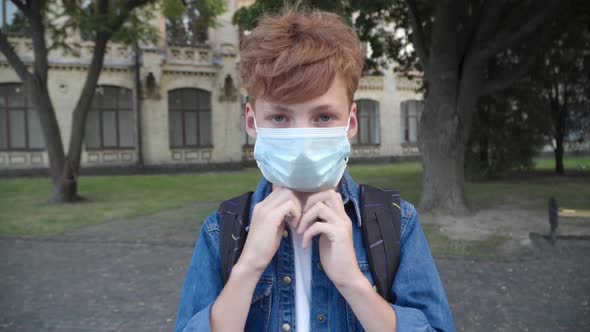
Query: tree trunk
559,155
83,105
443,134
442,147
64,187
559,108
454,87
66,191
484,144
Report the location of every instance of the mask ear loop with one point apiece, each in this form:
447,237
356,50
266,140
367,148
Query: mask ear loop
348,124
347,127
255,126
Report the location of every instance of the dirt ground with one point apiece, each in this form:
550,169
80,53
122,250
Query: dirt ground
127,275
511,221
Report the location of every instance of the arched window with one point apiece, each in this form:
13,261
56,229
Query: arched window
20,128
109,123
368,122
189,118
410,121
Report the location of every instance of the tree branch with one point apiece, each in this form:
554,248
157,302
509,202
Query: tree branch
93,74
418,35
10,54
488,21
471,18
506,78
41,63
484,28
507,39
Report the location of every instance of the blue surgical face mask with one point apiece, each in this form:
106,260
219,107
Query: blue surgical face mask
303,159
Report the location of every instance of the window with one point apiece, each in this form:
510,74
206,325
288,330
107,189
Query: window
110,120
189,29
190,118
20,128
368,122
12,20
410,122
246,139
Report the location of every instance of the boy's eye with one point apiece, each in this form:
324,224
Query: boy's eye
325,118
278,118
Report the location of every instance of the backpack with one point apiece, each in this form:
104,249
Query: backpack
381,223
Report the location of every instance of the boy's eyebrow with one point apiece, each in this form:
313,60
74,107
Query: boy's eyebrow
323,107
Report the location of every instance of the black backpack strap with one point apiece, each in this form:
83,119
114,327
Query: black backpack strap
233,215
381,226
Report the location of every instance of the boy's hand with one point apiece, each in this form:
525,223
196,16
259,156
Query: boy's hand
267,226
336,245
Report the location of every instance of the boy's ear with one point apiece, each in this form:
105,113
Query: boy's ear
353,125
250,128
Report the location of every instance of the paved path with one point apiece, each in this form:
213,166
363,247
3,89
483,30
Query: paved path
127,276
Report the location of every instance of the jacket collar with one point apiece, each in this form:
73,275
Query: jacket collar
347,187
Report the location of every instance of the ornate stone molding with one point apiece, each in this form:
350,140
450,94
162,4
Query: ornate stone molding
404,83
189,55
371,83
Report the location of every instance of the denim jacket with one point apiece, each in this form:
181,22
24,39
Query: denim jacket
421,303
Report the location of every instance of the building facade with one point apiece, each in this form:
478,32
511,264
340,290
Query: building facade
190,109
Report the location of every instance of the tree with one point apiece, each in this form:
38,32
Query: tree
100,21
560,79
452,42
508,131
464,37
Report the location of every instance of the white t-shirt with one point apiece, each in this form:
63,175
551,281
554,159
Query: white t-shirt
303,281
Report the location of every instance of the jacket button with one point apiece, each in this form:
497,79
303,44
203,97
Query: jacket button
285,233
320,266
286,327
375,287
321,317
287,280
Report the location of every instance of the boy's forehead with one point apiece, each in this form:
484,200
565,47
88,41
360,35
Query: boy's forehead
295,108
335,99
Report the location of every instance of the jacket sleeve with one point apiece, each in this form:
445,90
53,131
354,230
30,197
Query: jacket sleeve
203,282
421,303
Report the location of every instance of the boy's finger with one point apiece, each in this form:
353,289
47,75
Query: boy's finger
274,198
287,208
316,229
280,196
318,211
288,195
329,197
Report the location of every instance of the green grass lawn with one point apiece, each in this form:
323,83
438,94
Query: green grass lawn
24,209
571,163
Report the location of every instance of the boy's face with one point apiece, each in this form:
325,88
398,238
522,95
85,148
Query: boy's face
328,110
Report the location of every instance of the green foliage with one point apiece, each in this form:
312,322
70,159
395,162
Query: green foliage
190,27
560,78
507,133
62,19
551,101
172,9
209,10
373,21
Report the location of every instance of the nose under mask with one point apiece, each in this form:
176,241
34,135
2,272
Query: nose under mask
303,159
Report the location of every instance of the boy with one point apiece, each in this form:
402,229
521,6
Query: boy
301,70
